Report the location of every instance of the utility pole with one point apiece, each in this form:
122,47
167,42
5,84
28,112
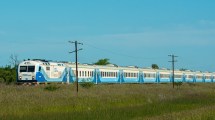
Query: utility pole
173,68
76,61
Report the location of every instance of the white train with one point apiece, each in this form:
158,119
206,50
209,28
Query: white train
42,71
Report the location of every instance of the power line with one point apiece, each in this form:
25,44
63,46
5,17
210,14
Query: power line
121,54
76,61
173,67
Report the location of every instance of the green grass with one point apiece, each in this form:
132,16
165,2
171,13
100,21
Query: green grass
108,102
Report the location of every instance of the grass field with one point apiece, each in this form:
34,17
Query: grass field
109,102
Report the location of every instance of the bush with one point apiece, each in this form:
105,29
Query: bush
86,84
7,75
51,87
178,84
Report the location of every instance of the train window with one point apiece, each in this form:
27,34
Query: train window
207,77
23,68
107,74
83,73
47,68
149,75
27,68
90,74
178,76
164,75
125,74
131,75
31,68
39,68
79,73
199,77
189,76
102,74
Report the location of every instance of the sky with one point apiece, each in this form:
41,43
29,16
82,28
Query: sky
128,32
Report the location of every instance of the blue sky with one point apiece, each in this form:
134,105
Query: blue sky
128,32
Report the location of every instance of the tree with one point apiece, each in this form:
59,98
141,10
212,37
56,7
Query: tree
102,62
183,69
155,66
14,60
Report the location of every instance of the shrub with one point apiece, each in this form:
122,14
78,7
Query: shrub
7,75
51,87
86,84
178,84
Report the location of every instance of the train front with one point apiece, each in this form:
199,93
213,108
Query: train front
27,71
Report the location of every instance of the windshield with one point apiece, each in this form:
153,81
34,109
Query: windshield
27,68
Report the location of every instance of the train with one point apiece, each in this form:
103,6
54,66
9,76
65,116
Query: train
44,71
